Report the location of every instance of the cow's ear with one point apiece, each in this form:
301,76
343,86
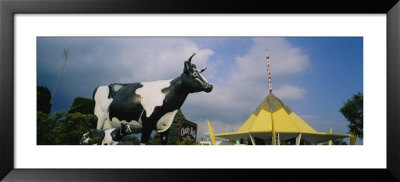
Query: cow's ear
187,67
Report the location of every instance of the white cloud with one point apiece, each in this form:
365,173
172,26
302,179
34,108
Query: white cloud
247,85
290,92
155,59
284,59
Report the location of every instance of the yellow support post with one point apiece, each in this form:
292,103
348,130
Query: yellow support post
330,141
273,130
226,131
353,139
211,133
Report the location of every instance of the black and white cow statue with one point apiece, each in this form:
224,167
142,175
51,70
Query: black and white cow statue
106,137
147,106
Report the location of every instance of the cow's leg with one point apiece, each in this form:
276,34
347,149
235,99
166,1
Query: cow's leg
146,129
102,102
145,135
101,116
164,137
107,125
100,121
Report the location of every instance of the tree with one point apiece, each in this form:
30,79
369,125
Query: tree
352,110
45,129
82,105
43,97
70,127
62,128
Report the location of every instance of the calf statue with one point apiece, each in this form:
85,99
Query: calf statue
147,106
106,137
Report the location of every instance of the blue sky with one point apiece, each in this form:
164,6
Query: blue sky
312,75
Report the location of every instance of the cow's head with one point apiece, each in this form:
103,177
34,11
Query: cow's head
85,139
193,79
125,129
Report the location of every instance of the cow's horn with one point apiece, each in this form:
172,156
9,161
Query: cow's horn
190,59
203,69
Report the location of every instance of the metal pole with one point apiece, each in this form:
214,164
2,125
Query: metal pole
59,76
252,139
298,139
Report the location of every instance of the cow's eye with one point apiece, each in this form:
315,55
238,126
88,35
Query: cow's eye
195,74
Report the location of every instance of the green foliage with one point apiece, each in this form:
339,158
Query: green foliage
69,131
45,129
129,140
43,97
62,128
352,110
82,105
188,141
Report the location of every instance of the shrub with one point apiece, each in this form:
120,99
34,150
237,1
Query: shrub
63,128
82,105
43,98
45,129
129,140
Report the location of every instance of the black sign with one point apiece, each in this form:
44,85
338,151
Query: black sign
187,130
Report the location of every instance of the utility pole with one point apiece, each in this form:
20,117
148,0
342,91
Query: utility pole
65,54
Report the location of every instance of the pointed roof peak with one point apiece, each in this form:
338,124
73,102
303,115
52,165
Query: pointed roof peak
271,103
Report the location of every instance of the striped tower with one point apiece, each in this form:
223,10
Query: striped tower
269,74
270,91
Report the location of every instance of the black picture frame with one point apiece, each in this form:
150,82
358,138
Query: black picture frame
8,8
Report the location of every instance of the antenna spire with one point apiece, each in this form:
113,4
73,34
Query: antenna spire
269,73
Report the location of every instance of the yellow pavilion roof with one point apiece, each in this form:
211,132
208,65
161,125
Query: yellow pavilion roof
273,109
273,113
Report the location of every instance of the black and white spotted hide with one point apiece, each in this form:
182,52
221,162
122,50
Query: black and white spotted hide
106,137
147,106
